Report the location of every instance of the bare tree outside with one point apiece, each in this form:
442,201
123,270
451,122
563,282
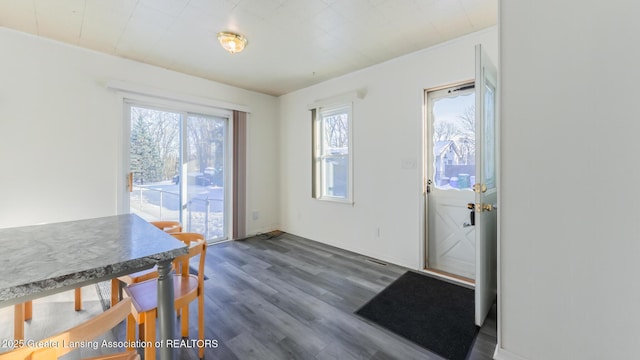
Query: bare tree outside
206,147
154,142
337,130
466,138
443,131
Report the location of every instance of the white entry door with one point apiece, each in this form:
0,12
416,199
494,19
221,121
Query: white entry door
462,187
451,158
486,188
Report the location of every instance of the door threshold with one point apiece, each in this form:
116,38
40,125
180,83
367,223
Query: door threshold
451,277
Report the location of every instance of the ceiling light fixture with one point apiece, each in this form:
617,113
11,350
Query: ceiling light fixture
232,42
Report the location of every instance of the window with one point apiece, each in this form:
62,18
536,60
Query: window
332,153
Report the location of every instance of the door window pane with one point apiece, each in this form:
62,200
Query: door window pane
489,171
454,142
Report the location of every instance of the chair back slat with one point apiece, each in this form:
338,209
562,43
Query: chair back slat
167,225
197,247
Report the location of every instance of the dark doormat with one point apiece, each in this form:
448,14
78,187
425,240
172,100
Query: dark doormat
432,313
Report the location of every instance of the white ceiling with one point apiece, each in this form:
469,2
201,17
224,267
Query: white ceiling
292,43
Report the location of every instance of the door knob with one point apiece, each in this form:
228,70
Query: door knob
480,188
489,207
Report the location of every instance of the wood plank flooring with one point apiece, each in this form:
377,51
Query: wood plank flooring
287,297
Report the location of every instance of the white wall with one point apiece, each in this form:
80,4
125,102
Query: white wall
569,210
387,129
61,132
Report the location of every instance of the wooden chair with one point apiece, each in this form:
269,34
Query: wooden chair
187,287
167,226
23,312
87,331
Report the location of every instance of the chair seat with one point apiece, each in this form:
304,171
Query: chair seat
144,294
128,279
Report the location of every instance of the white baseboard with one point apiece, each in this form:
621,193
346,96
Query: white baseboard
502,354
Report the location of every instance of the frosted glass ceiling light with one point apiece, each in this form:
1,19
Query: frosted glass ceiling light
232,42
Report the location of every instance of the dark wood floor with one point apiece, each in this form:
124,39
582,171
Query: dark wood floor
286,297
291,298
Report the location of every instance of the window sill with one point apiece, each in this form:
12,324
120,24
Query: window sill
336,200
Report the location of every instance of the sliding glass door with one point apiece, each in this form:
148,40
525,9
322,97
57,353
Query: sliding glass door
178,168
205,155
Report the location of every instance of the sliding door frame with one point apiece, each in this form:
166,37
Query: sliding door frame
185,109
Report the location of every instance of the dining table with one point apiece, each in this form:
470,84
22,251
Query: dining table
44,259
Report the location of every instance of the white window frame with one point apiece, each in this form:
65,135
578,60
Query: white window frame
320,171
